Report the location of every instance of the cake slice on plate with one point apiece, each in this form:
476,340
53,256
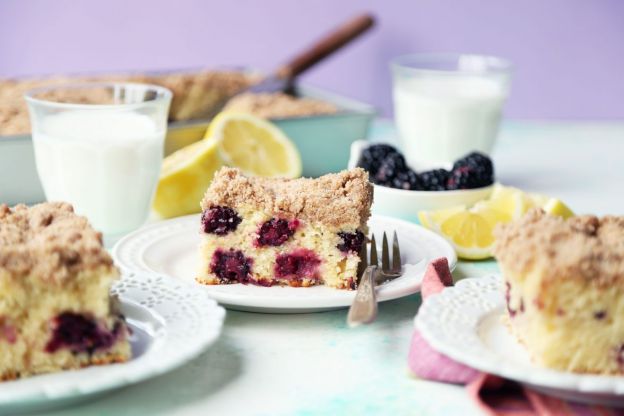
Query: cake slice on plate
564,282
55,309
296,232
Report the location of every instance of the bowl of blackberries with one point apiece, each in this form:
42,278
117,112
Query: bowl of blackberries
401,191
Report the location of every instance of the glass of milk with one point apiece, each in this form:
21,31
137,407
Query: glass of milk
100,147
447,105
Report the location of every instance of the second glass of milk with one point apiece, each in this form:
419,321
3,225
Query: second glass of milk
447,105
100,147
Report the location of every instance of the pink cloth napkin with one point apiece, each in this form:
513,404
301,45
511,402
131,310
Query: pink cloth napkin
494,395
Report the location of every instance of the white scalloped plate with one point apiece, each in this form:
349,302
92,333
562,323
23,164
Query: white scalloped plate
171,323
464,322
171,247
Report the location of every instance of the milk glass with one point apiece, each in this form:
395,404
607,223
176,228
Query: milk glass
446,105
103,157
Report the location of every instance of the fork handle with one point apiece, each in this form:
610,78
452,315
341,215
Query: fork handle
363,310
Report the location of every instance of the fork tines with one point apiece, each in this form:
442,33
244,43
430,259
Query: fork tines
396,254
387,266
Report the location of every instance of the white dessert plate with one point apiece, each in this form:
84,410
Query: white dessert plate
464,322
171,324
171,248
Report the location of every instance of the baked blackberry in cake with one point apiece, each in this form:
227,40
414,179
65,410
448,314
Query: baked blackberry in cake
55,309
295,232
564,288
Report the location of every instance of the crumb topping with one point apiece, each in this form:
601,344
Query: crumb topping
195,94
49,241
585,247
340,200
279,105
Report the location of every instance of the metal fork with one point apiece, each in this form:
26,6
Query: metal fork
363,310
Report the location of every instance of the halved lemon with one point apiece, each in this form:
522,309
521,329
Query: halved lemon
254,145
184,177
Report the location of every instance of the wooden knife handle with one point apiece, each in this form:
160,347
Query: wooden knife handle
325,46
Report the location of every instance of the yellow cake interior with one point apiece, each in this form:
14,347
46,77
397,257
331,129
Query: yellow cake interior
337,269
29,307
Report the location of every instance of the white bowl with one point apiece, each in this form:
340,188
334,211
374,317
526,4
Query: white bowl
405,204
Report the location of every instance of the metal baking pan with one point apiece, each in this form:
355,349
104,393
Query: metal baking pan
323,141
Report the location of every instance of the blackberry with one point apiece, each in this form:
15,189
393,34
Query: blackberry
220,220
79,333
231,266
476,160
391,166
434,180
276,232
467,178
408,180
301,263
372,157
351,242
474,170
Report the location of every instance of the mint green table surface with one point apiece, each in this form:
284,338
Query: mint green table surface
312,364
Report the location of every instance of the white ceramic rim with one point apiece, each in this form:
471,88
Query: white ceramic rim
473,299
128,253
428,194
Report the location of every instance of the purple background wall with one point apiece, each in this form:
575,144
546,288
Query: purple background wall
569,54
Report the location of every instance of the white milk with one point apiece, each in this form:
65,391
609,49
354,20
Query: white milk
106,164
441,118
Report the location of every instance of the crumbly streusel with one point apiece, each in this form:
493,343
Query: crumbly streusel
48,241
584,247
279,105
339,200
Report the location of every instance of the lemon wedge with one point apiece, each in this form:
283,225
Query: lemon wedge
184,177
254,145
555,206
512,201
537,200
433,219
470,230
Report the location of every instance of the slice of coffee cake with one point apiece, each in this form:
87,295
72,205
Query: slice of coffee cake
55,309
297,232
564,287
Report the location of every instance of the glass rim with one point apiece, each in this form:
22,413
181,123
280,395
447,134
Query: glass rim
162,94
410,63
